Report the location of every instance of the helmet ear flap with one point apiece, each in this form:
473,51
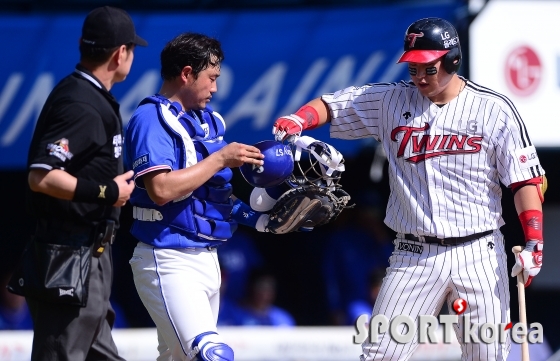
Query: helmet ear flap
452,60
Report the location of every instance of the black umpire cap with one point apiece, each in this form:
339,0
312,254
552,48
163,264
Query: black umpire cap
109,27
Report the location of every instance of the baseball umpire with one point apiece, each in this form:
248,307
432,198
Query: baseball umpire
76,189
450,143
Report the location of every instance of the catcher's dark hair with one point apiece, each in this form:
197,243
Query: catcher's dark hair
98,56
190,49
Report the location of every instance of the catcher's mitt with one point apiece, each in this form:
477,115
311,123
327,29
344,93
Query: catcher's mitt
304,207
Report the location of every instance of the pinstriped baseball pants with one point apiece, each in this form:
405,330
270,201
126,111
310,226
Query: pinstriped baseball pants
420,279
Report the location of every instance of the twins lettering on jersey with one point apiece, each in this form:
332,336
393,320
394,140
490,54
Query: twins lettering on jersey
422,146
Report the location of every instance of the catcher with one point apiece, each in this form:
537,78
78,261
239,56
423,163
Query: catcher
297,188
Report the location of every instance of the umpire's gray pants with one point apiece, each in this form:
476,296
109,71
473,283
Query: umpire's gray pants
72,333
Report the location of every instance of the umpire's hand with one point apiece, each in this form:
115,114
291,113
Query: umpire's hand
126,186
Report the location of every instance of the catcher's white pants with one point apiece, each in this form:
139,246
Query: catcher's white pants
180,289
419,283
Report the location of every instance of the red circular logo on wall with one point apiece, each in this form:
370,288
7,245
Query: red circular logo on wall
523,159
523,71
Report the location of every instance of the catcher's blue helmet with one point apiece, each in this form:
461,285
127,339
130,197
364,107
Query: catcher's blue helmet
278,165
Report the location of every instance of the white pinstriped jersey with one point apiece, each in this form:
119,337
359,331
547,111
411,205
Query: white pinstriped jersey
445,163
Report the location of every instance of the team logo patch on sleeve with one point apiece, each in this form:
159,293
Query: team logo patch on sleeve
60,149
410,247
141,160
527,157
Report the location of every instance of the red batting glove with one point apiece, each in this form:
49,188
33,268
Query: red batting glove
528,261
305,118
288,125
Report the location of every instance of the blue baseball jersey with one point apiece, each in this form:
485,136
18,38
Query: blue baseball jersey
161,135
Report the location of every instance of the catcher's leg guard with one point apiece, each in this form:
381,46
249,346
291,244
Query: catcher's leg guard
208,347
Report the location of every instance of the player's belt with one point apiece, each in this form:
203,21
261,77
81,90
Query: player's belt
451,241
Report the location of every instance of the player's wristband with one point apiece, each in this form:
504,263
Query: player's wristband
309,115
532,224
89,191
243,214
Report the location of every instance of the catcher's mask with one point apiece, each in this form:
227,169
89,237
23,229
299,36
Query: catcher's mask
316,163
278,165
313,196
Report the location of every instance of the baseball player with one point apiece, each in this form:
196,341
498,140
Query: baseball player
183,206
449,143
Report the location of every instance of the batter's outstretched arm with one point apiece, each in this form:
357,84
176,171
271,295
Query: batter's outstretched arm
312,115
324,115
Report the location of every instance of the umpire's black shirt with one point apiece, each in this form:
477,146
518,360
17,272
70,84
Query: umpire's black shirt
79,131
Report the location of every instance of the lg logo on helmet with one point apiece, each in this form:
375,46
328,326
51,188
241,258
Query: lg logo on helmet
448,41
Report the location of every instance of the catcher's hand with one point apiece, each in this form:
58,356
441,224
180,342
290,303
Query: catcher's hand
305,207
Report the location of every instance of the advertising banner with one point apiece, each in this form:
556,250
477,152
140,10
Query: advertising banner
275,62
514,51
